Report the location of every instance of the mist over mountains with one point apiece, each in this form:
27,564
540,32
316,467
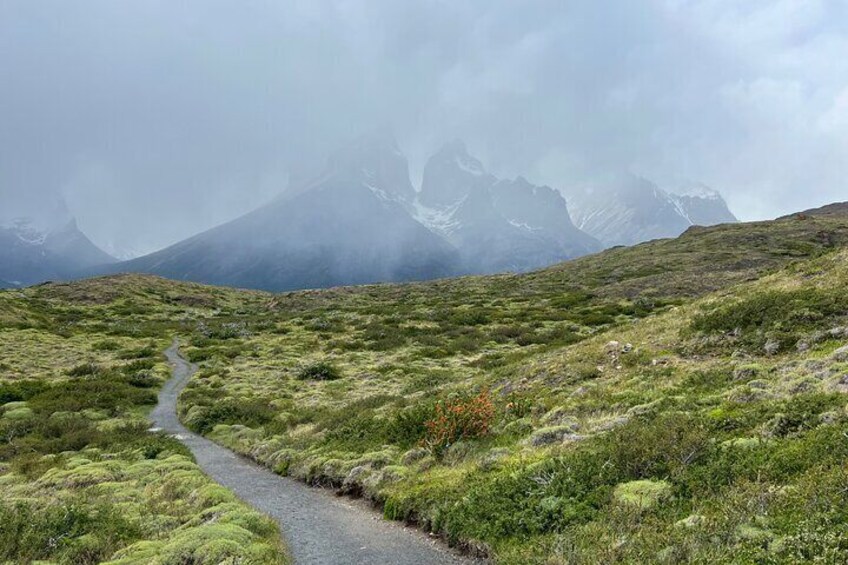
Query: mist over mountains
349,226
47,246
361,220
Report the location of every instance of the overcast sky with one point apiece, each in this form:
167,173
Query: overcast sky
158,118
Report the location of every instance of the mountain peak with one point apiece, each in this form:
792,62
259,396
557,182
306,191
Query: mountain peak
451,174
30,254
455,153
376,161
699,190
702,205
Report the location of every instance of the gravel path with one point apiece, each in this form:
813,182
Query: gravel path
318,526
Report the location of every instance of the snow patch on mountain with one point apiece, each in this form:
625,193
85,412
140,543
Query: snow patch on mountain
26,232
440,220
698,190
522,225
681,209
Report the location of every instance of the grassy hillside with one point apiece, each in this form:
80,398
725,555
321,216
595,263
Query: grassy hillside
82,480
681,400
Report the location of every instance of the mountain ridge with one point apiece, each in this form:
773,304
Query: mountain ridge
361,221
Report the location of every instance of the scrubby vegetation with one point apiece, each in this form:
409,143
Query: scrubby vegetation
320,371
82,480
679,401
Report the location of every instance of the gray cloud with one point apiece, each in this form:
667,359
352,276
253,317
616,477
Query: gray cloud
139,112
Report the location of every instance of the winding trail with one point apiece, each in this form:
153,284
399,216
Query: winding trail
319,527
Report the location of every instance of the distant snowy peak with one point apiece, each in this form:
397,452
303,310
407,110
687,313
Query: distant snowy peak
30,252
703,206
349,226
497,224
47,216
627,209
36,233
531,206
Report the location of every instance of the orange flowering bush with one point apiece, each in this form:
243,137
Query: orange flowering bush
458,418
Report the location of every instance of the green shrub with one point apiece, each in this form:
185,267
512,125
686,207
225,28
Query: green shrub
571,299
250,412
20,390
408,427
361,431
199,355
106,345
109,395
138,365
140,353
783,315
151,445
802,412
70,533
320,371
660,446
470,317
84,370
142,379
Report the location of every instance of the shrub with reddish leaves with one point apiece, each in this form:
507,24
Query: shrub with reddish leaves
459,418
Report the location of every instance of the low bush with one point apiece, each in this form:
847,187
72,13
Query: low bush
20,390
84,370
250,412
781,315
140,353
320,371
109,395
408,427
470,317
138,365
69,533
199,355
105,345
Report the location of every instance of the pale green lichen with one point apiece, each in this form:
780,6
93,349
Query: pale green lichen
643,494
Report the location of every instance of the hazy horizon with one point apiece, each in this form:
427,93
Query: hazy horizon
156,121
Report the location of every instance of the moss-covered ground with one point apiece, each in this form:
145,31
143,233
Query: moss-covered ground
678,401
82,480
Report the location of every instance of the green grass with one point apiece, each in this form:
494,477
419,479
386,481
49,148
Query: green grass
678,401
82,480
